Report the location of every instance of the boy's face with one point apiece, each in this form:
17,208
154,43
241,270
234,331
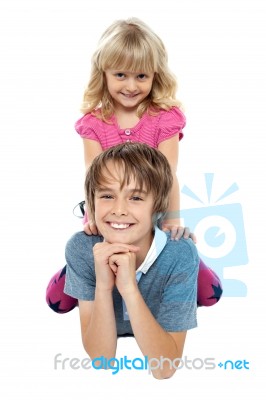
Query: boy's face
124,215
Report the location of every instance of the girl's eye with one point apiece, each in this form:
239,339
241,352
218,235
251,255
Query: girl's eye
142,76
120,75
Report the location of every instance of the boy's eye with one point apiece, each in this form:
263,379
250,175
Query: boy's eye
106,196
136,198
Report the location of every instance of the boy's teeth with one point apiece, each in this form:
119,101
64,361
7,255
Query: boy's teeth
119,226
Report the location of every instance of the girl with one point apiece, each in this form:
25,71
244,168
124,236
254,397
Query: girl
130,97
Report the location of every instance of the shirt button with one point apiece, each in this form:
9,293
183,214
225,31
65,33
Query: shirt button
127,132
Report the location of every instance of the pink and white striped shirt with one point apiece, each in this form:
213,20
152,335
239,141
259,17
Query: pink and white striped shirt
151,130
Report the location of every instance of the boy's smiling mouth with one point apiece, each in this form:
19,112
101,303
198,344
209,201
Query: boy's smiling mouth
117,225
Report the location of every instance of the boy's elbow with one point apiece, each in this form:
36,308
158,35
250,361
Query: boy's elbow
165,373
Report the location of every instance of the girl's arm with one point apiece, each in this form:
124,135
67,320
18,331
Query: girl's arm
170,149
92,149
171,222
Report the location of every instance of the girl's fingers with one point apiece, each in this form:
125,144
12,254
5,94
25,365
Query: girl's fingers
93,229
193,237
86,229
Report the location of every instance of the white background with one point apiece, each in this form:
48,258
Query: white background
217,50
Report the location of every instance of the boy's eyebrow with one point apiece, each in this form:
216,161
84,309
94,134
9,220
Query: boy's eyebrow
130,190
103,189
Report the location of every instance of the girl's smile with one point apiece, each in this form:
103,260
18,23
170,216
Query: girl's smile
128,89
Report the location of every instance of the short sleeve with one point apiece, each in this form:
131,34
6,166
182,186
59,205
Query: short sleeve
86,127
178,306
80,274
171,123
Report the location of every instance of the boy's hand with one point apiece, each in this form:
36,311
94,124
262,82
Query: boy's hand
105,278
177,231
124,267
108,258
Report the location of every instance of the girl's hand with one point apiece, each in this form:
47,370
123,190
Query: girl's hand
177,231
90,228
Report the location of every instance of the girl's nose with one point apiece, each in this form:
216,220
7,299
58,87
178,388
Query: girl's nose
131,85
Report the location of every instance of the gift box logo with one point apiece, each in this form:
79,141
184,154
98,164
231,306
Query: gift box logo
220,233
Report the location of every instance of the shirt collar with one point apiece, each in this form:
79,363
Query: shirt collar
158,243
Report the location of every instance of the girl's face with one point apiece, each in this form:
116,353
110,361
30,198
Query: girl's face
128,89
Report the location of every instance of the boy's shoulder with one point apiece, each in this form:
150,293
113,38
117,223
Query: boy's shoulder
181,244
82,242
182,251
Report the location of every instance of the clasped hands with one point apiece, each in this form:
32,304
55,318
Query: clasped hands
115,264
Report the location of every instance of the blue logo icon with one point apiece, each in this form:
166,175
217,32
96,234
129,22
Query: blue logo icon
220,233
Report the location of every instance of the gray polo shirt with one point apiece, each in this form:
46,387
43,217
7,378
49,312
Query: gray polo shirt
168,286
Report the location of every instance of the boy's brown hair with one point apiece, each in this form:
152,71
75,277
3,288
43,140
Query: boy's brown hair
148,166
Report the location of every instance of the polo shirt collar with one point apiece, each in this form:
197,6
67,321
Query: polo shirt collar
158,243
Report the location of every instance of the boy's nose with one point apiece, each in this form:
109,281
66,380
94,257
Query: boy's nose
119,208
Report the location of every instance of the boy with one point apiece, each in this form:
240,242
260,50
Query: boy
132,280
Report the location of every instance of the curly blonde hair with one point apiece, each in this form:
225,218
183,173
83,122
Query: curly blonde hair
130,45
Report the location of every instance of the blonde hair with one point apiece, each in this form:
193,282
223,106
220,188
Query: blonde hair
130,45
146,165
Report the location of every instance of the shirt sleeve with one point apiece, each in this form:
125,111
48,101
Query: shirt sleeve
80,274
171,123
86,127
178,305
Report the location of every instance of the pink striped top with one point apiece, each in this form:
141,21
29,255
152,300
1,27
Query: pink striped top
151,130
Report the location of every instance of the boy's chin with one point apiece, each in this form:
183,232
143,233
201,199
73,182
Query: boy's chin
123,239
118,240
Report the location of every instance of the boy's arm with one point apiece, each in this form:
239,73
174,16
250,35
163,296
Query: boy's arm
153,340
98,327
98,324
177,307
